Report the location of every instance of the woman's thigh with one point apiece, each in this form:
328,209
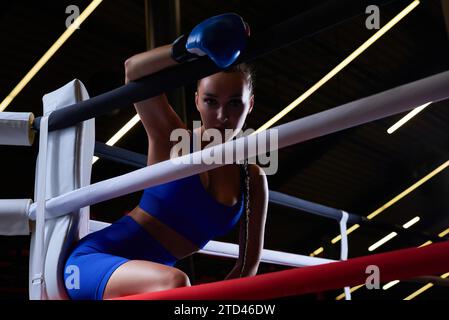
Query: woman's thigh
102,253
86,275
140,276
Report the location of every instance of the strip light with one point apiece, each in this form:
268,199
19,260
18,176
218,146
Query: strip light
116,137
341,296
445,232
392,235
341,65
50,52
419,291
395,282
382,241
411,222
300,99
400,196
94,4
390,284
317,252
407,117
425,244
429,285
424,288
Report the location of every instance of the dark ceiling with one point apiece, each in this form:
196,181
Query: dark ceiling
357,170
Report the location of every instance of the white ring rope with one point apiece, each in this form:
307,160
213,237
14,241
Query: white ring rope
230,250
393,101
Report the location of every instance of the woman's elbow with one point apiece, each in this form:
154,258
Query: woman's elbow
129,70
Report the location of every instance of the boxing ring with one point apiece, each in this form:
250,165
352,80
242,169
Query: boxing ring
59,214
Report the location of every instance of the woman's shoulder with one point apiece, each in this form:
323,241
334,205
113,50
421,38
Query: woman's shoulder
257,176
255,170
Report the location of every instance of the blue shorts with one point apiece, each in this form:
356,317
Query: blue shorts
95,257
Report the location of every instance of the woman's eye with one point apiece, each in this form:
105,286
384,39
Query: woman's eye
209,101
236,103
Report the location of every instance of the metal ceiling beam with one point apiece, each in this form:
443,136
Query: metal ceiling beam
163,26
445,10
286,33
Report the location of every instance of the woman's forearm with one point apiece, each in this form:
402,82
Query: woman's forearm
148,62
236,272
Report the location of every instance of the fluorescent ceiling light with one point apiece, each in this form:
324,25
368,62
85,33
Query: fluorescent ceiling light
445,232
128,126
424,288
392,235
340,66
125,129
341,296
317,252
405,226
411,222
429,285
395,282
50,52
419,291
382,241
425,244
337,69
407,117
398,197
390,284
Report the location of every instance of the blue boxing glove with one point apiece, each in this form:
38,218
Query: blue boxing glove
222,38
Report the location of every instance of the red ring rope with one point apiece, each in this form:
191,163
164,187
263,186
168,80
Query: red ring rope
394,265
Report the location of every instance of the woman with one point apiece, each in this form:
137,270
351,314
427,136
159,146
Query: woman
136,254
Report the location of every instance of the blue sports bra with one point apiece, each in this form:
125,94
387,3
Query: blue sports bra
186,207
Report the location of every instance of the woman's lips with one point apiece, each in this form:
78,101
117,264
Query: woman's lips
220,128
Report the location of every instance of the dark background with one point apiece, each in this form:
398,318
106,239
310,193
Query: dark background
357,170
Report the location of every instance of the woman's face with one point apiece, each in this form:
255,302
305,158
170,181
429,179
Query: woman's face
223,101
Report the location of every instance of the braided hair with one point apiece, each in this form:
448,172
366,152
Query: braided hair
246,214
248,72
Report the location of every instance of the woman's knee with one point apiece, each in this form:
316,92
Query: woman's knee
136,277
175,278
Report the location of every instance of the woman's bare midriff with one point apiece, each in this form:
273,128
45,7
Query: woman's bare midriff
226,193
176,244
